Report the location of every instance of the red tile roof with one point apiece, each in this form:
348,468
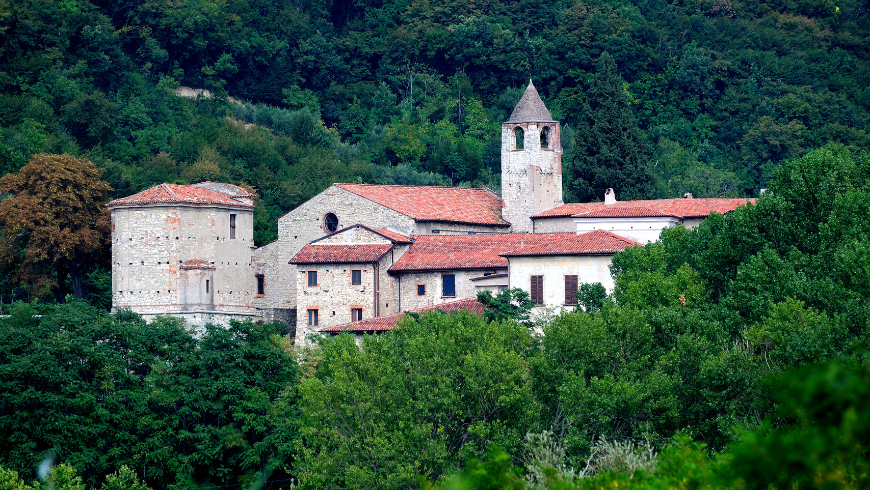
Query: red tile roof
452,252
392,235
196,264
451,204
340,254
179,194
682,208
590,243
228,189
384,323
616,211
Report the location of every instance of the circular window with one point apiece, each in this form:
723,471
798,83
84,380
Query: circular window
330,221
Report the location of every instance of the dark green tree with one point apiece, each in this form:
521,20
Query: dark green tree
609,149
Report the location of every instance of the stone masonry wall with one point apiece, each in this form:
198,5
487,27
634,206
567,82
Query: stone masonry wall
532,176
150,244
407,283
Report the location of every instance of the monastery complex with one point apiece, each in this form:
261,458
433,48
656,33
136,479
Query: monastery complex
356,256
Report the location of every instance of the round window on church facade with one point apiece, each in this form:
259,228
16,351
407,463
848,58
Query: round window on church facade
330,222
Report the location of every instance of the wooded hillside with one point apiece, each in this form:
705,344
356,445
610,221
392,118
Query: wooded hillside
709,96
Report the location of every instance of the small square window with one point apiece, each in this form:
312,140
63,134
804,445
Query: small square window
356,277
421,290
312,318
355,314
312,278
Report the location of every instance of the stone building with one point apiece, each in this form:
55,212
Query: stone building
642,221
358,252
531,162
404,210
184,251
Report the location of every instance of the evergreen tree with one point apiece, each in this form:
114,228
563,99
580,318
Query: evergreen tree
609,149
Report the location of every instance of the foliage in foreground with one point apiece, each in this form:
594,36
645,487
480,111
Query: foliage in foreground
99,391
819,438
422,400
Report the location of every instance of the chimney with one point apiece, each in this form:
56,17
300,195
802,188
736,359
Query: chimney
609,196
688,195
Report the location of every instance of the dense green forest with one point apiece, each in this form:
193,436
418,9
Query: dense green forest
708,96
734,355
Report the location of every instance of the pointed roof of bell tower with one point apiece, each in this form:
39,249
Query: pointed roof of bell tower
531,108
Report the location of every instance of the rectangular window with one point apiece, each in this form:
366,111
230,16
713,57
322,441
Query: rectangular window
312,278
261,285
312,318
355,314
356,277
449,285
421,290
570,290
232,227
537,290
206,285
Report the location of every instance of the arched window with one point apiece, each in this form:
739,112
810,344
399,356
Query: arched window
545,137
521,138
330,222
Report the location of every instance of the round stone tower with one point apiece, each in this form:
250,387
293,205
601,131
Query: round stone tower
531,162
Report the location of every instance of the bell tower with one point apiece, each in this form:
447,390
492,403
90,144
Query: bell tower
531,162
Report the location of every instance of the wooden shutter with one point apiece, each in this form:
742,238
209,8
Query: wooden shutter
571,290
537,290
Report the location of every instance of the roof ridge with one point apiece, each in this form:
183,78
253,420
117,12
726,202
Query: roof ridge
169,189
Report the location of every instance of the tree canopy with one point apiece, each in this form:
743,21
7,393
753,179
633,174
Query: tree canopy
52,223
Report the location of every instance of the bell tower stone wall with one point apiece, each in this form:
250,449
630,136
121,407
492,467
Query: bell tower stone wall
531,162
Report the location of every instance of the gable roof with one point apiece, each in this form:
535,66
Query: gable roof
458,252
680,208
428,203
180,194
628,211
392,235
387,234
384,323
530,108
595,242
340,254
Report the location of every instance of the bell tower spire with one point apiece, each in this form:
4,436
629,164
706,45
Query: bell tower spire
531,161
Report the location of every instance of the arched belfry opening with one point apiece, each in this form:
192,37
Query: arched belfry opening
531,162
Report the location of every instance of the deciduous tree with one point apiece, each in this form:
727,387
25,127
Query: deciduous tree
54,220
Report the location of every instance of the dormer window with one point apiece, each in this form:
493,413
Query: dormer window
545,137
521,137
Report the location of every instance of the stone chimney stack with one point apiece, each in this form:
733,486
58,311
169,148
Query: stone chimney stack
609,196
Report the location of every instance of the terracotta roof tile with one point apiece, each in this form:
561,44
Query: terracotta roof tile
451,252
618,211
590,243
392,235
681,208
384,323
178,194
451,204
223,188
196,264
340,254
